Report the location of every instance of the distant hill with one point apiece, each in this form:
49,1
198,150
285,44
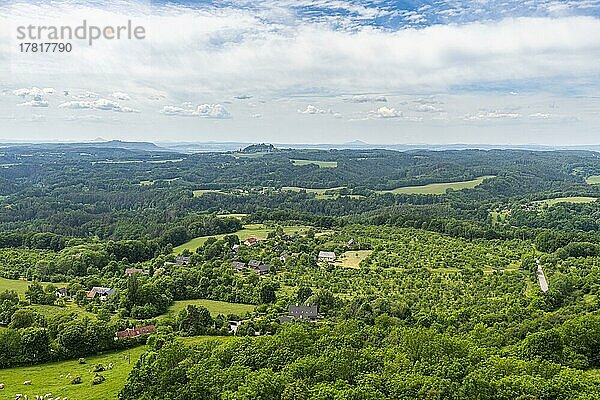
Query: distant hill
118,144
260,148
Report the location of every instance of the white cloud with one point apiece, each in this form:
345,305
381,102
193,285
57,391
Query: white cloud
120,96
386,112
99,104
310,109
87,95
367,99
540,115
216,111
33,92
35,103
492,116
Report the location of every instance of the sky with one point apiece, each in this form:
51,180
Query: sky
308,71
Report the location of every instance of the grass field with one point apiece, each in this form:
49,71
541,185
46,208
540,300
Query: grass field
593,180
238,216
71,307
54,378
258,231
21,286
573,199
200,192
352,259
215,307
321,164
438,188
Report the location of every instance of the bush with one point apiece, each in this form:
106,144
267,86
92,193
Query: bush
76,381
99,368
98,379
82,360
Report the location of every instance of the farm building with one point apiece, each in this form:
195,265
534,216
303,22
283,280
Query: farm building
238,266
135,332
262,269
102,293
254,263
251,241
326,256
296,312
182,260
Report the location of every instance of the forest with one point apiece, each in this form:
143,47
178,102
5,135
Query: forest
420,295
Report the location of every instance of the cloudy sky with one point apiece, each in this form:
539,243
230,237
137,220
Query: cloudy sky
309,71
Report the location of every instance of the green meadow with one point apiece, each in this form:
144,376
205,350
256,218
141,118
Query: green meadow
320,164
593,180
572,199
55,378
438,188
215,307
258,231
20,286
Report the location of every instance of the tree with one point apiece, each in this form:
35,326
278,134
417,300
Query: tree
267,293
194,320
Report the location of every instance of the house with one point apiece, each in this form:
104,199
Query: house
283,258
234,325
296,312
135,332
61,293
133,271
326,256
254,263
182,260
238,266
262,269
102,293
251,241
235,248
350,243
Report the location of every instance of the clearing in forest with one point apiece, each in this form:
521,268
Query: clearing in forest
438,188
572,199
214,307
352,259
258,231
320,164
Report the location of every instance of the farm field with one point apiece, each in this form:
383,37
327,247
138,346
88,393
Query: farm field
352,259
215,307
20,286
573,199
201,192
52,378
320,164
238,216
310,190
258,231
593,180
438,188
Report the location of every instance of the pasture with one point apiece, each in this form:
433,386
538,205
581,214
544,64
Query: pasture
55,378
320,164
438,188
20,286
258,231
352,259
572,199
214,307
593,180
202,192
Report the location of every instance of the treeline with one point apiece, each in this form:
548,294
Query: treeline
351,360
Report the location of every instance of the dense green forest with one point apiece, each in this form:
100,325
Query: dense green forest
432,295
